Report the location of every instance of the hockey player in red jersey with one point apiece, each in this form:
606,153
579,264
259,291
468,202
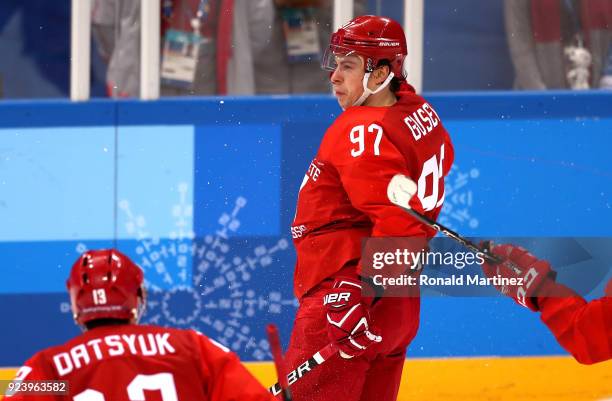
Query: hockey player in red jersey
117,359
583,328
385,129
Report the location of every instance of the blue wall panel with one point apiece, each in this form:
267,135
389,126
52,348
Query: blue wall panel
56,183
155,170
238,161
537,177
205,192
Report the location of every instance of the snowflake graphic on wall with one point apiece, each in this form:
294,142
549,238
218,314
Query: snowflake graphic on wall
458,199
205,283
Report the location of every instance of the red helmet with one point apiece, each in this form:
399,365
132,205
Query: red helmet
105,284
374,38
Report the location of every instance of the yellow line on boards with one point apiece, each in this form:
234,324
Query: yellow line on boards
492,379
473,379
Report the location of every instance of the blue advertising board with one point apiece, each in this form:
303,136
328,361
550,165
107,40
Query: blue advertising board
201,193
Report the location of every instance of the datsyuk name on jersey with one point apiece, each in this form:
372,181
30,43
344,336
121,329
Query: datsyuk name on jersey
110,346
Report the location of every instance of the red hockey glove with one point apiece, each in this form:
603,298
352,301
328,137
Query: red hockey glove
348,318
528,272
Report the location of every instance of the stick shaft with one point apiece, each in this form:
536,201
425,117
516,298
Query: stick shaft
317,359
452,234
277,355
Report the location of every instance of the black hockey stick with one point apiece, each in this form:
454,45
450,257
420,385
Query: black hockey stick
317,359
401,189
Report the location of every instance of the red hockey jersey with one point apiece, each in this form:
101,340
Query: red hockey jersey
343,197
583,328
132,362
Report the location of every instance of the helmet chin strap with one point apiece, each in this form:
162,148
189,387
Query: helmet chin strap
367,91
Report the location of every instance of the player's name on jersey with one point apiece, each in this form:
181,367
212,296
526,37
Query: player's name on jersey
452,280
422,121
110,346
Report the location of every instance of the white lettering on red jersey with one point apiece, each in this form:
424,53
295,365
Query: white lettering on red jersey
343,198
120,362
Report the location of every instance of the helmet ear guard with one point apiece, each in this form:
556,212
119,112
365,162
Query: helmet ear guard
405,68
142,303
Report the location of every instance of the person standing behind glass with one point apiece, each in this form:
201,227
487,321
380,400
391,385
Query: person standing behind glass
288,53
191,31
558,44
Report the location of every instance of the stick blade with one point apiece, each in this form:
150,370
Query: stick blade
277,355
274,339
400,190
